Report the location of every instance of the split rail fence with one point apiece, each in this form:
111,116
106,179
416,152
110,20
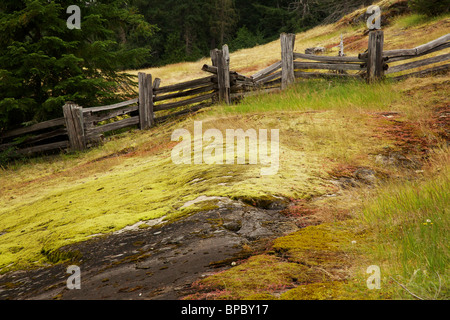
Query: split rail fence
81,128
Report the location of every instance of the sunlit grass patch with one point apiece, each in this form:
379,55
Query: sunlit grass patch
317,95
415,19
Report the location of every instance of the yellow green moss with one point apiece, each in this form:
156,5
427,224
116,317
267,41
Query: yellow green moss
258,276
332,290
324,237
140,188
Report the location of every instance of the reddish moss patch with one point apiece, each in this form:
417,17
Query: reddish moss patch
440,123
408,138
255,68
342,170
300,208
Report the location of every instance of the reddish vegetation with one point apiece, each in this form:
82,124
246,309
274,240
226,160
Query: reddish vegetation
342,170
255,68
299,208
441,122
353,43
407,137
356,43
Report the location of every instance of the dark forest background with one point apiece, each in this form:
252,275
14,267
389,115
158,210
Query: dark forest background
188,29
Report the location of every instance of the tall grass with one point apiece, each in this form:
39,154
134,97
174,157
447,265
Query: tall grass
412,222
321,95
415,19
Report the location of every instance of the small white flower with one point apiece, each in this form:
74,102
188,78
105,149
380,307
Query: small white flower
428,221
354,242
233,263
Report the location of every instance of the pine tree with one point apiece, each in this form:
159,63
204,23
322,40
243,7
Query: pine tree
43,63
224,19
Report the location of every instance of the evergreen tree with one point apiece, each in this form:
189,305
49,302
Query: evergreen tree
43,63
223,20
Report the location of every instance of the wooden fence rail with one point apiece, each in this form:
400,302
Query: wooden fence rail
390,56
35,138
81,128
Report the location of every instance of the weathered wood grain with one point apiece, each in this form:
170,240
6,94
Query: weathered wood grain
269,78
375,62
266,71
177,104
97,117
73,115
328,59
436,70
111,107
185,85
187,93
406,57
183,112
419,63
420,50
210,69
33,128
36,138
327,66
146,113
43,148
94,132
287,59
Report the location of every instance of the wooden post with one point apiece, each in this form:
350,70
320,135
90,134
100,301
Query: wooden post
226,74
287,60
156,83
220,59
146,114
341,47
214,57
375,68
73,116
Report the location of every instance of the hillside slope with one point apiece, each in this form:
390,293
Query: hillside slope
340,144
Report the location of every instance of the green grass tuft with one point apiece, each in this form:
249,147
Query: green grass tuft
412,223
320,95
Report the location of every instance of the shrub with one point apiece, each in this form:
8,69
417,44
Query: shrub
430,7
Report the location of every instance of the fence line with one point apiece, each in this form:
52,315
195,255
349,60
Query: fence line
82,128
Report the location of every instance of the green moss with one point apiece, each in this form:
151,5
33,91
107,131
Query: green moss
257,276
261,296
139,189
316,291
314,238
56,256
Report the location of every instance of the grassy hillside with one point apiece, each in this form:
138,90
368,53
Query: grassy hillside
403,31
364,167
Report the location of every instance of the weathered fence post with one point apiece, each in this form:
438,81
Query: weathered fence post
146,114
226,74
375,62
156,83
221,60
73,116
213,54
287,59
